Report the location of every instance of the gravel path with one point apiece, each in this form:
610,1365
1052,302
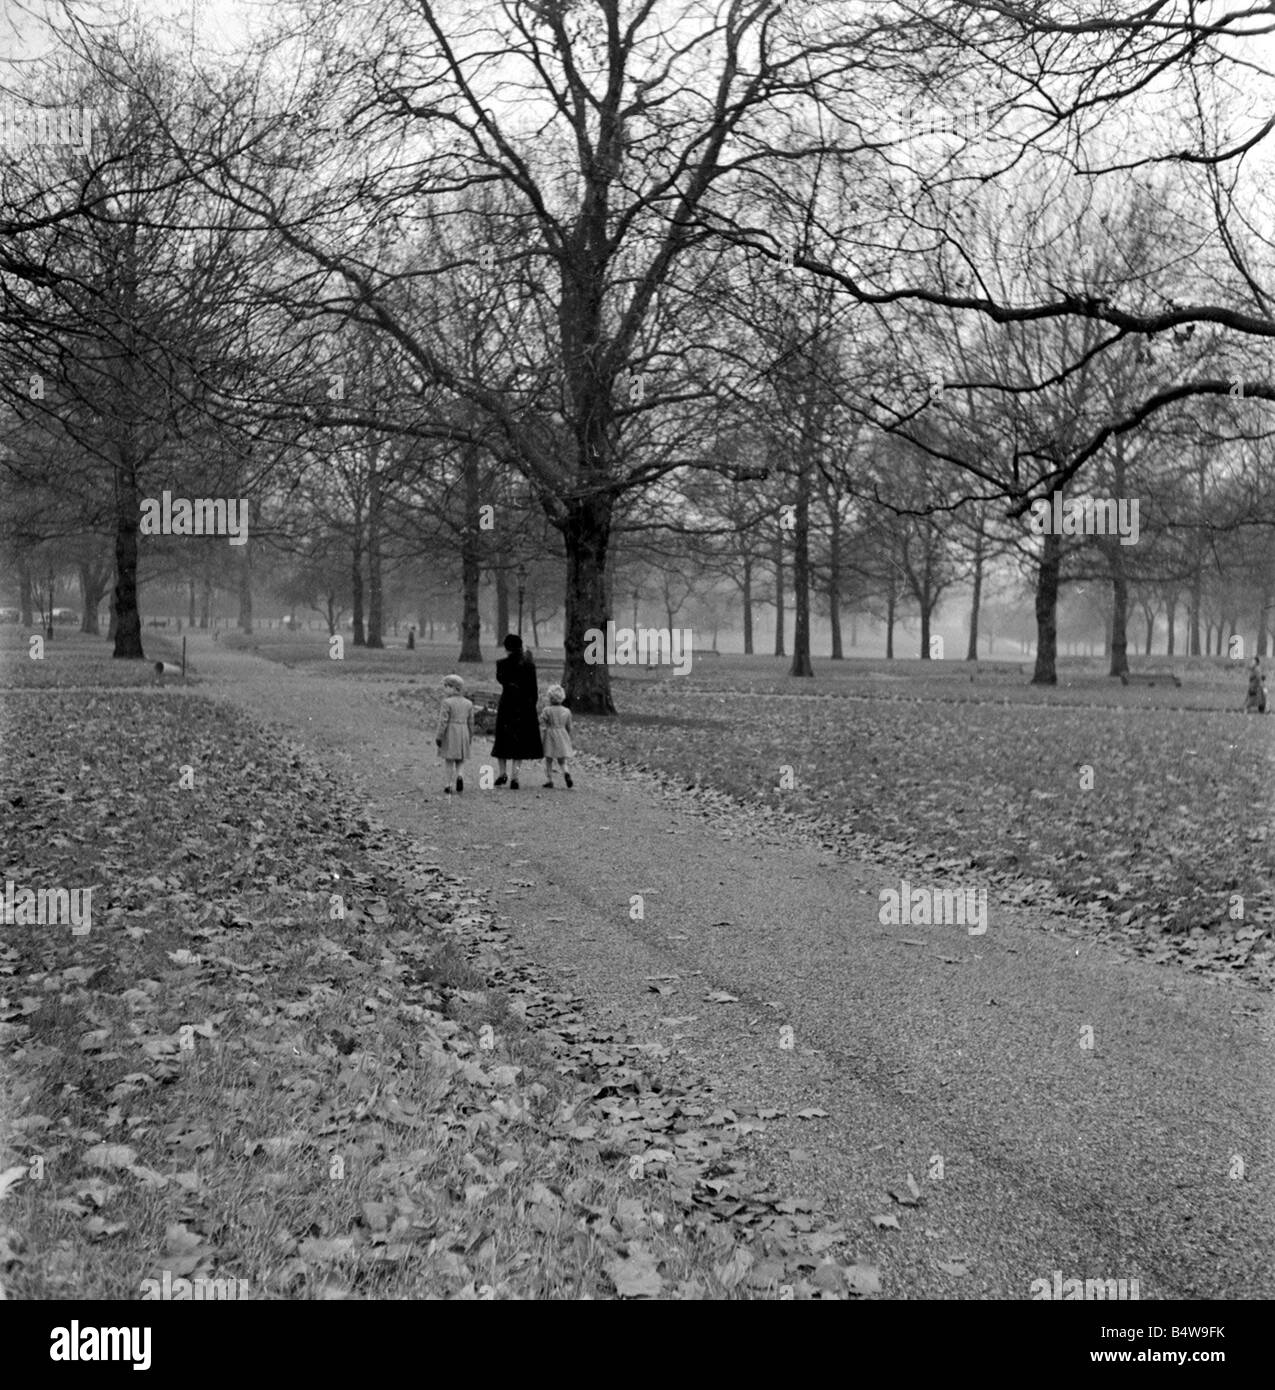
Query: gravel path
1108,1162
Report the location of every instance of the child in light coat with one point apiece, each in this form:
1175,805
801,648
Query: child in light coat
455,731
555,734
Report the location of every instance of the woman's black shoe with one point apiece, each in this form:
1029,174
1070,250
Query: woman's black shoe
567,777
501,780
513,786
460,784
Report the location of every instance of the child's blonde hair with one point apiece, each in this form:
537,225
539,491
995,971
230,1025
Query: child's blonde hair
556,694
454,683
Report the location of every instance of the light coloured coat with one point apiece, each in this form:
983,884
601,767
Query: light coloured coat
455,728
555,731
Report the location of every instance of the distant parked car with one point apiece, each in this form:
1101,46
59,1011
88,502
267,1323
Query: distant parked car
65,616
10,615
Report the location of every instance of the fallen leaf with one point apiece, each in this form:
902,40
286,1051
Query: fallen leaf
731,1271
636,1275
9,1178
863,1279
97,1226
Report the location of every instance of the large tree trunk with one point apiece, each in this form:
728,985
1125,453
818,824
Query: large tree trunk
801,665
1046,672
471,572
245,586
1193,610
1170,621
93,585
586,532
834,578
779,591
1119,613
128,621
356,582
976,599
375,597
1150,616
205,604
926,607
502,604
748,605
26,591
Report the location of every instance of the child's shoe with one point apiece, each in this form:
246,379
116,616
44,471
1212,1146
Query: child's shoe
460,784
566,777
500,781
548,786
513,786
447,791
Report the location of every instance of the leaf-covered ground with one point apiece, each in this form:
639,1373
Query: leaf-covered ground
222,1080
1170,836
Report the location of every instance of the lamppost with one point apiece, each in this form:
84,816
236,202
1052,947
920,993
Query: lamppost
522,589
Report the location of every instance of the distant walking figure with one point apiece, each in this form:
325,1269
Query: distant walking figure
517,730
555,728
1255,700
455,730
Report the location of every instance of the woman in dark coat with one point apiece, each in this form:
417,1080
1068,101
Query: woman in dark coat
517,724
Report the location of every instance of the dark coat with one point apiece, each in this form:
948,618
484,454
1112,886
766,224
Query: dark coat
517,724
